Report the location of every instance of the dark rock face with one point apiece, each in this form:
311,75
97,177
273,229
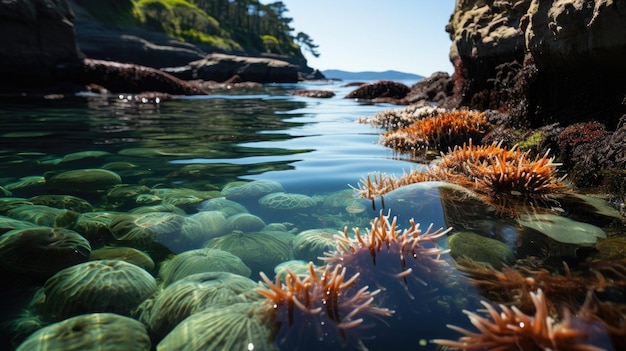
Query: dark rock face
380,89
545,61
436,88
38,42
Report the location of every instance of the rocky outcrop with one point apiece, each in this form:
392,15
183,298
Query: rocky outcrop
391,91
221,67
38,42
129,78
437,88
544,61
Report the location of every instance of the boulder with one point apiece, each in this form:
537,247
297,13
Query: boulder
221,67
38,44
380,89
436,88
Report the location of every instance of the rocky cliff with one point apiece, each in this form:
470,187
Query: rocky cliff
551,68
38,43
545,61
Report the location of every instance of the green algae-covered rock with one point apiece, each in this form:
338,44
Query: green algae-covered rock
199,261
95,331
259,251
112,286
232,327
480,249
42,251
254,189
90,180
246,222
287,201
192,294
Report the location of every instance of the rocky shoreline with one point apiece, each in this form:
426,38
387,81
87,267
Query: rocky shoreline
59,47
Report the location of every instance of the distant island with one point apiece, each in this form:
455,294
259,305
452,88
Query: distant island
370,75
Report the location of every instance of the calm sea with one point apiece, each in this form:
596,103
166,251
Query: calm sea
312,147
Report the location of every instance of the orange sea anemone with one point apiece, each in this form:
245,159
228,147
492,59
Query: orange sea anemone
323,309
511,329
385,255
504,177
442,131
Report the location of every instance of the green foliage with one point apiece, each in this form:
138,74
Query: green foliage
271,44
117,12
222,25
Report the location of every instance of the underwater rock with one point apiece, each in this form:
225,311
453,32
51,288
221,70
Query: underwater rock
125,195
245,222
298,267
26,186
241,326
127,254
42,251
186,199
193,294
90,180
95,331
94,226
562,229
37,214
156,231
251,190
213,223
67,202
259,251
480,249
287,201
201,261
8,224
311,244
228,207
97,286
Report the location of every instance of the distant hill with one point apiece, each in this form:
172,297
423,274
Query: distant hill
370,75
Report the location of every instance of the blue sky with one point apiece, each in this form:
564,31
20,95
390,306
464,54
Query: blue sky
375,35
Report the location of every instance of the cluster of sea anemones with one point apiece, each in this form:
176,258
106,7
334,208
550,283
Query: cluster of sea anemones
323,308
512,329
402,117
494,172
441,131
405,267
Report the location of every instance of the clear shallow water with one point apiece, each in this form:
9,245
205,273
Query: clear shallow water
312,147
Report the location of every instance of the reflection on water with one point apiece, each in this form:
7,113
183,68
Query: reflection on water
245,175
